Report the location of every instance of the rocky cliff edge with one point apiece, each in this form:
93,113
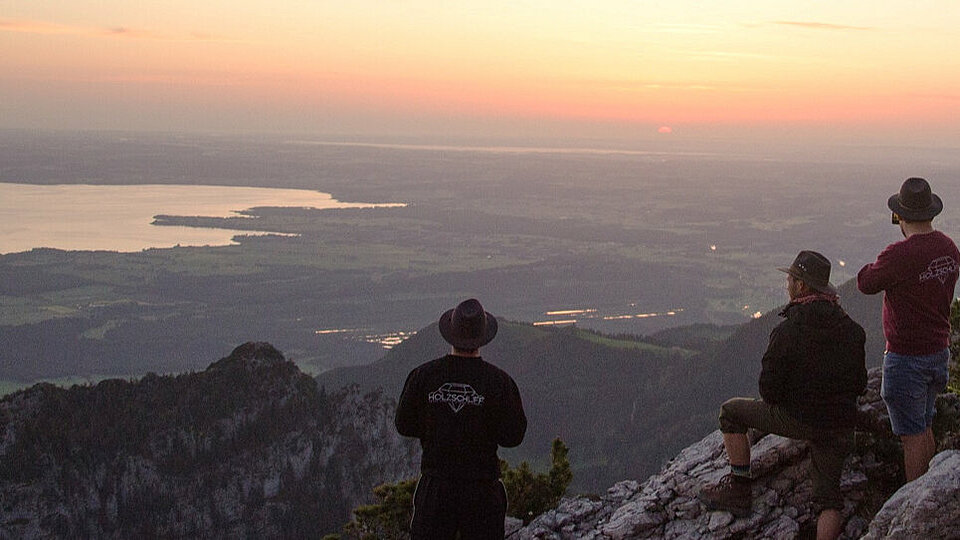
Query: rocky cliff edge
877,505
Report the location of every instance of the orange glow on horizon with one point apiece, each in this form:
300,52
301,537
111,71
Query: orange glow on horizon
739,64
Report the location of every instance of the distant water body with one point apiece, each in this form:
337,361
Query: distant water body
517,149
118,218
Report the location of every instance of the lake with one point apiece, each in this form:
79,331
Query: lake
118,218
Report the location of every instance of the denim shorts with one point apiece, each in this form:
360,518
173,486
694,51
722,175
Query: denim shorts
910,387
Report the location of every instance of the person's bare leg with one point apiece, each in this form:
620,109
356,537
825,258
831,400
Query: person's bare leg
829,524
738,448
918,450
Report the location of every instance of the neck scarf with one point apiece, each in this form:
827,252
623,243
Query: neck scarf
816,296
809,299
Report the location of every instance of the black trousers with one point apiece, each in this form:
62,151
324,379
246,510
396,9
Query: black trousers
442,507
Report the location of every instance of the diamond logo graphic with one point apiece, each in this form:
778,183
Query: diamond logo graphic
456,395
940,269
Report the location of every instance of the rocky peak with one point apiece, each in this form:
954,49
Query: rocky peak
249,447
250,356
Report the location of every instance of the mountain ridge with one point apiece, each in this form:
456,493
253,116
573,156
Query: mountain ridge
248,447
622,411
569,370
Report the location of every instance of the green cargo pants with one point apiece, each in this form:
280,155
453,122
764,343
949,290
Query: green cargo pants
828,447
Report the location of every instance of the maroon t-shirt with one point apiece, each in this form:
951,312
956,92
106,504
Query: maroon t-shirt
917,275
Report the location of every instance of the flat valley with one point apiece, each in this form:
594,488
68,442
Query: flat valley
609,238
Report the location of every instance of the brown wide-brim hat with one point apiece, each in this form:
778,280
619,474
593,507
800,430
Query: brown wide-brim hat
468,326
813,269
915,201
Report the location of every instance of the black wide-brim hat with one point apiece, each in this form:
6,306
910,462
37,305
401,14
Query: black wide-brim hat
468,326
915,201
813,269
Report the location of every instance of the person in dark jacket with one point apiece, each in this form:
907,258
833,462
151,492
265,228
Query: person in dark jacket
462,409
812,372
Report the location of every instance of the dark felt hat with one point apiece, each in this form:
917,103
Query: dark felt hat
813,269
468,326
915,201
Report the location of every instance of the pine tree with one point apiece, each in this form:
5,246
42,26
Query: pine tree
530,494
386,519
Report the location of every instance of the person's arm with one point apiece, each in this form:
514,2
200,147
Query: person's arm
775,366
407,419
859,382
861,376
513,421
879,275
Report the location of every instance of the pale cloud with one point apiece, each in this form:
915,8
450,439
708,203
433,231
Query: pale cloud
739,56
823,26
121,32
128,33
685,28
691,86
182,79
730,55
37,27
941,97
191,79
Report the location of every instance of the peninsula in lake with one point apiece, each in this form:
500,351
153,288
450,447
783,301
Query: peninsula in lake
609,238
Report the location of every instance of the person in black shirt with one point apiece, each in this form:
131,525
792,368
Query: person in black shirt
811,374
462,409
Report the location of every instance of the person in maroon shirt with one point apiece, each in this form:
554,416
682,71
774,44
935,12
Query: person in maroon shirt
918,276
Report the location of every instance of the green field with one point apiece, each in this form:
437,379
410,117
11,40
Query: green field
623,343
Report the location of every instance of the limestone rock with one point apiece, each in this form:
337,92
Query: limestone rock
928,507
666,504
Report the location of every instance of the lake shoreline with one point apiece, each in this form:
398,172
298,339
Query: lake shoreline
128,218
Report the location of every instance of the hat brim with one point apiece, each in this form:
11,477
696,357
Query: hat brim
452,336
910,214
827,288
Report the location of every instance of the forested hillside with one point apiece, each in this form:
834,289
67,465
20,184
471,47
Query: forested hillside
247,448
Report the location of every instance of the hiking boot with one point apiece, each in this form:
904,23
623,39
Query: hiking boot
732,494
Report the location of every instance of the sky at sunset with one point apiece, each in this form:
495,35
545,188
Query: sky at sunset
885,70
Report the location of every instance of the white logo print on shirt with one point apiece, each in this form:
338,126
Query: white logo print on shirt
940,268
456,395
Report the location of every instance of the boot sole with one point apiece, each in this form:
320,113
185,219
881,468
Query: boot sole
737,511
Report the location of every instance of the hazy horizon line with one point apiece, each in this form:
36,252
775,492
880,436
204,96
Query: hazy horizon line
693,146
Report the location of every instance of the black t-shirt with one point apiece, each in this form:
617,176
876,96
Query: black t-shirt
461,409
